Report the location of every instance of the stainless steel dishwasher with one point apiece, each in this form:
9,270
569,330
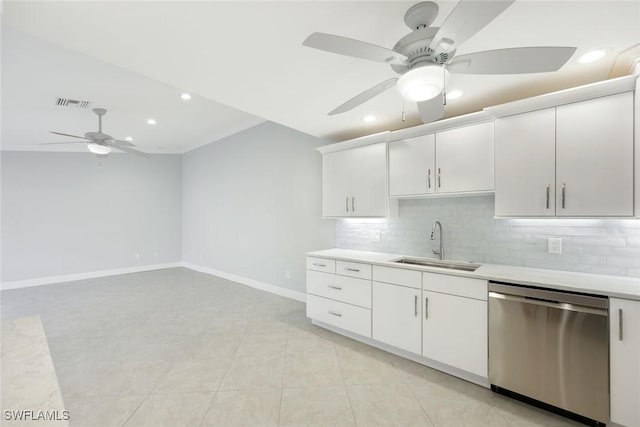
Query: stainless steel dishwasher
550,348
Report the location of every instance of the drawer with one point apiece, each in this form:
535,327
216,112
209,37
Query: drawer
398,276
346,289
354,269
340,315
321,264
455,285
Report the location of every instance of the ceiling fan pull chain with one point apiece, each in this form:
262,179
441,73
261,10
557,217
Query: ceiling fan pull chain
403,114
444,87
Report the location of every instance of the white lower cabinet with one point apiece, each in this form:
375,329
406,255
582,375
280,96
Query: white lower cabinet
396,316
454,326
624,361
340,314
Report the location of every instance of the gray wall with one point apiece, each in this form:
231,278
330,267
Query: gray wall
471,233
67,213
252,204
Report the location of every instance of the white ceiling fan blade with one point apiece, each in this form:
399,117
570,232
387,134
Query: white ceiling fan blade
121,142
364,96
130,150
356,48
432,109
66,134
466,19
517,60
67,142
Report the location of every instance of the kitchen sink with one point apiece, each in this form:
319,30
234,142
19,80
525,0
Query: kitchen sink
463,266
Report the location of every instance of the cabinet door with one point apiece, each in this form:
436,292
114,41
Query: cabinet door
464,159
336,183
412,166
594,157
624,361
525,169
454,331
369,181
396,316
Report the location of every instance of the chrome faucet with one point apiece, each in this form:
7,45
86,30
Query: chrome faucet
440,251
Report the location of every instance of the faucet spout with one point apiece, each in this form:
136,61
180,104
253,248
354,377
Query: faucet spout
440,250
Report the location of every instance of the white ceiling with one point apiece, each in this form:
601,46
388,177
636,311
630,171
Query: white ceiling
249,55
35,73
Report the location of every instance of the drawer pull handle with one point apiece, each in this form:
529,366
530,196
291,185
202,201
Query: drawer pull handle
334,313
338,288
352,269
319,265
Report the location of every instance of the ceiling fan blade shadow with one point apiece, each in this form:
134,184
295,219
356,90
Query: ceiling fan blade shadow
466,19
517,60
67,134
432,109
355,48
67,142
364,96
130,150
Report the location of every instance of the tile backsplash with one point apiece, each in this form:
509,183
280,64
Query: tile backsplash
603,246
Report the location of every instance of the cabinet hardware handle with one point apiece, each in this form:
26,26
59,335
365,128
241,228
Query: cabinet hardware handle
415,305
338,288
429,179
439,181
426,308
347,203
352,269
353,204
547,196
333,313
620,325
319,265
563,191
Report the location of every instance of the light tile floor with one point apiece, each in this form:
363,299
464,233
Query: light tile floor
180,348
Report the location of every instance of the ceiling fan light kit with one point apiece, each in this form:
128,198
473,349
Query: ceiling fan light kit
425,56
99,149
422,83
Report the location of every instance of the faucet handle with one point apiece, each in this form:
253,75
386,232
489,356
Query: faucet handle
433,236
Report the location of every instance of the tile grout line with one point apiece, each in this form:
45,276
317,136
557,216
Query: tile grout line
344,383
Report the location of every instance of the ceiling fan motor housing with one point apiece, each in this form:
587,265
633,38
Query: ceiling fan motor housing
415,46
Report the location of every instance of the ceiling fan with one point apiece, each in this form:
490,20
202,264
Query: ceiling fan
98,142
425,57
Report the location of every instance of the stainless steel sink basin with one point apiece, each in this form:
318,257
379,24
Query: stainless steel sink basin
463,266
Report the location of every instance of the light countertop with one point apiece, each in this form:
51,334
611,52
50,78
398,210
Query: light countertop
597,284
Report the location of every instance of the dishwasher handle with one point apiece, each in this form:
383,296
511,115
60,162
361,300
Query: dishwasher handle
552,304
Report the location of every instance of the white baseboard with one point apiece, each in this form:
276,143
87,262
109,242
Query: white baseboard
284,292
82,276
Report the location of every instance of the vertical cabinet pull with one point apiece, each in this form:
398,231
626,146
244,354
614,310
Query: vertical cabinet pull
547,196
347,203
429,179
620,325
563,191
439,181
353,204
426,308
415,305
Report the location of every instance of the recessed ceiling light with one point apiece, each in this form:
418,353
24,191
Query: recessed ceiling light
151,122
370,118
128,138
592,56
185,96
454,94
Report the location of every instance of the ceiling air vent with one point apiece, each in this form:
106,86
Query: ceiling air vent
74,103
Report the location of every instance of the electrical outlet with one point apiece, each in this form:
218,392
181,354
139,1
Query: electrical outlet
137,255
555,245
375,235
287,274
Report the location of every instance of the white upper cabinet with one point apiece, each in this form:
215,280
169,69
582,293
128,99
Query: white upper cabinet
354,182
412,166
464,159
594,157
525,170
